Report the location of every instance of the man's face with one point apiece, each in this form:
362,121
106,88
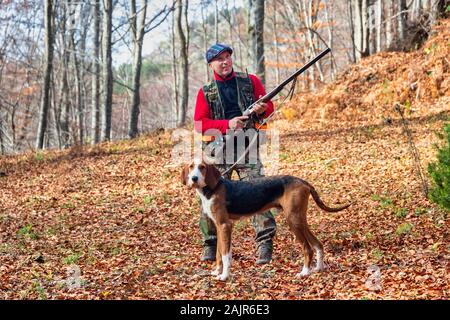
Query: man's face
222,64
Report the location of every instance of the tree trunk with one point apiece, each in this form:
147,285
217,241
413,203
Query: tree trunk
330,22
372,29
79,96
175,92
2,144
205,40
358,29
402,17
389,24
107,72
64,108
437,8
95,102
216,22
43,113
379,25
184,46
257,36
351,6
275,41
365,28
138,39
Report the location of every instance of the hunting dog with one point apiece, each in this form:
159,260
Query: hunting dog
225,201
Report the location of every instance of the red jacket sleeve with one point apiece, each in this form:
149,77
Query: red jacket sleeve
259,91
202,116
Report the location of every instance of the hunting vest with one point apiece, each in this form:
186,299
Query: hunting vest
244,95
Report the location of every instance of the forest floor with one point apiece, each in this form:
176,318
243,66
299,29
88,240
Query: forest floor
114,222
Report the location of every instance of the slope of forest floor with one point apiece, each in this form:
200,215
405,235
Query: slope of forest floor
114,222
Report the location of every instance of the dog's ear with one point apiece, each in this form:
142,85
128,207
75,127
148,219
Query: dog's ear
212,176
184,174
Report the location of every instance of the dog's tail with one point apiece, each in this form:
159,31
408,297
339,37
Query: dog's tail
320,203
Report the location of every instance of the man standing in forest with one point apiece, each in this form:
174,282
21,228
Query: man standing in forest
220,105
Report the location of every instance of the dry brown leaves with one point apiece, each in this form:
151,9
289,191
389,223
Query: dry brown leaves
114,222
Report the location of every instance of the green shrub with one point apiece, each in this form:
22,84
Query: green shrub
440,172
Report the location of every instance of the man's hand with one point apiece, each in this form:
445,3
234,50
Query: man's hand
237,122
260,108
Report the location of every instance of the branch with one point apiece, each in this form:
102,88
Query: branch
167,12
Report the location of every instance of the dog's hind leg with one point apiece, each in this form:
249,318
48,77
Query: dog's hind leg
295,206
298,227
317,245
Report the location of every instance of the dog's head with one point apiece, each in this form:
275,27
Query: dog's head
199,174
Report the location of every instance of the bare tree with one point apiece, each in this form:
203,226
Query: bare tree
205,37
107,77
137,30
365,28
175,87
216,21
95,99
402,18
330,22
45,103
64,103
256,31
275,42
389,23
378,24
183,37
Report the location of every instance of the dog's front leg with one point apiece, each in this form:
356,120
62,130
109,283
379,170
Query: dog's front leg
219,266
224,236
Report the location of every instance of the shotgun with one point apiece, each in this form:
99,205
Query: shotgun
280,87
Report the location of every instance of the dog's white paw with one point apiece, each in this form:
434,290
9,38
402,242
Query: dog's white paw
215,272
222,277
319,268
305,272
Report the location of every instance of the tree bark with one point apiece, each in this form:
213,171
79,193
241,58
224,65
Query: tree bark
257,36
402,17
216,22
184,46
275,41
138,39
205,39
175,90
107,72
351,6
64,108
95,101
330,22
358,29
365,28
43,113
379,25
389,24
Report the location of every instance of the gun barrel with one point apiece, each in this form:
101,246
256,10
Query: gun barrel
278,88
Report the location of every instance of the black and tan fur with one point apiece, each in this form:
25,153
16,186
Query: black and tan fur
226,201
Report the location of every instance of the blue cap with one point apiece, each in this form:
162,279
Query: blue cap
215,50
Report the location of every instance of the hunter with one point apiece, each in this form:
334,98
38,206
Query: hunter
220,105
